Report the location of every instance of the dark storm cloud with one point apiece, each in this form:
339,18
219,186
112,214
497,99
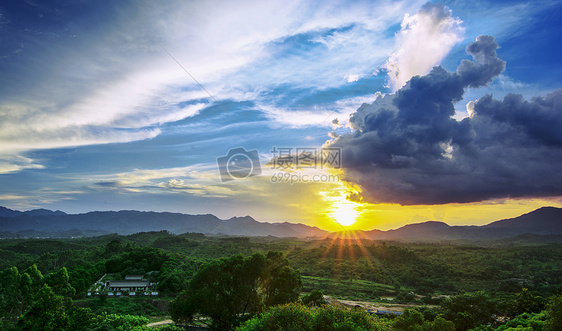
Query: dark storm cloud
485,66
408,149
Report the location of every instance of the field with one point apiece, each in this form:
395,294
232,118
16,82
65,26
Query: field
374,275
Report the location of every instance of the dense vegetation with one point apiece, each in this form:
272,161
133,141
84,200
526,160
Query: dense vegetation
229,289
262,283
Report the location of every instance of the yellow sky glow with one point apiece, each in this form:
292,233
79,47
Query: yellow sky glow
334,210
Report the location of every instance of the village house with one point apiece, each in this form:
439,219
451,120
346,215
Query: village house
132,284
127,285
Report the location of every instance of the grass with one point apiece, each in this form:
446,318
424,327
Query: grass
345,289
124,306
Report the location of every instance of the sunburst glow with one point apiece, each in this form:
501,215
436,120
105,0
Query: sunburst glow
344,212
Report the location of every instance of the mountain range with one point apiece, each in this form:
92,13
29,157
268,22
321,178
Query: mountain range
46,223
545,223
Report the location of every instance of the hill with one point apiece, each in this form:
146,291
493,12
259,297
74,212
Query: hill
543,221
45,223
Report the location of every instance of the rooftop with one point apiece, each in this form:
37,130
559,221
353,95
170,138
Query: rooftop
128,283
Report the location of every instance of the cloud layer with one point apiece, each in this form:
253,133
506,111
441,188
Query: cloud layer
408,149
85,74
423,41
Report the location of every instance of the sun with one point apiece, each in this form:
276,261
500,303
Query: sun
344,212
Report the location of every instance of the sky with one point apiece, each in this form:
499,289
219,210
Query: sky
398,111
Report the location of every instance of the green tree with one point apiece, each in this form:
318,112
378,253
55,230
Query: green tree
113,247
410,320
59,282
284,317
106,321
296,316
82,276
554,314
221,290
17,291
330,317
175,274
224,291
525,321
526,302
10,294
404,297
281,283
314,299
438,324
81,319
36,277
48,312
469,310
413,320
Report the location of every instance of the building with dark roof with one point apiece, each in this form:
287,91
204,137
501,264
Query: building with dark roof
128,285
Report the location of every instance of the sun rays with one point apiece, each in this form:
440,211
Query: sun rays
340,209
345,212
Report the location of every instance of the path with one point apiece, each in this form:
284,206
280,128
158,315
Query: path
164,322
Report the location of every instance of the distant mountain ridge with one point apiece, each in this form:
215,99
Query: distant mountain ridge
42,222
546,222
5,212
543,221
545,217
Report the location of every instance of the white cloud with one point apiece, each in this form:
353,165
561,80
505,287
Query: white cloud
141,177
119,85
300,118
341,39
70,137
423,41
12,197
15,163
333,115
503,20
351,78
507,83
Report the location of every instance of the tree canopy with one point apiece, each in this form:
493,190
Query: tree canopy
226,291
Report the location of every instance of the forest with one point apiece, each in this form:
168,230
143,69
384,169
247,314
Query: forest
269,283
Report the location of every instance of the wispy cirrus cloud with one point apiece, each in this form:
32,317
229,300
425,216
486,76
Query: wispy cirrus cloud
14,163
115,82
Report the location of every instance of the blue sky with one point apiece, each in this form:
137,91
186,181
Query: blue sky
96,114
